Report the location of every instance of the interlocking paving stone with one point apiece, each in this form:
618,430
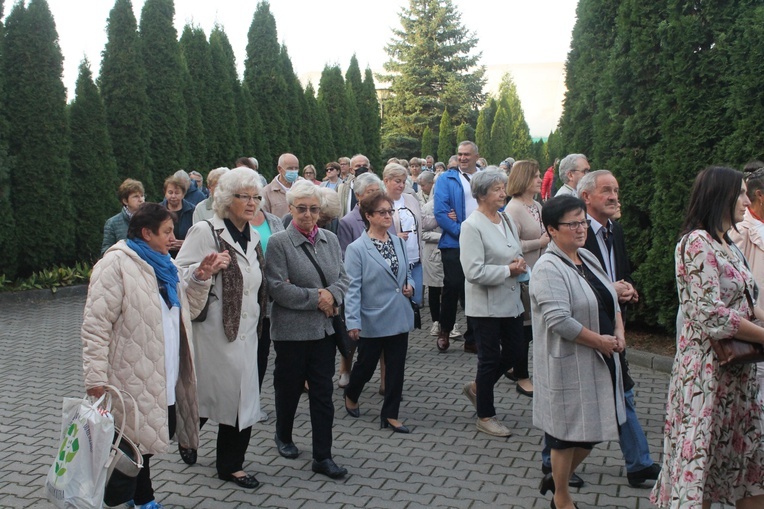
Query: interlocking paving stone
445,462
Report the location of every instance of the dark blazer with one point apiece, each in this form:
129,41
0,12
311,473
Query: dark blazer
622,265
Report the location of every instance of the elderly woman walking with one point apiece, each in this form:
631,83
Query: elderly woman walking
378,310
136,336
226,341
491,257
307,282
577,335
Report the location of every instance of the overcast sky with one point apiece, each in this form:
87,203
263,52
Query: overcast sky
330,31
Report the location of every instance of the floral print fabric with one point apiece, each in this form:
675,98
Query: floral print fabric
387,250
713,443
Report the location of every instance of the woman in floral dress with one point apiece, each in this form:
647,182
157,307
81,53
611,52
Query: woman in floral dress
714,444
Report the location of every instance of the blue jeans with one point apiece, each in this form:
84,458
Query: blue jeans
416,275
632,438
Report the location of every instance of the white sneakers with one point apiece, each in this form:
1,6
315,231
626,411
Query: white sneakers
467,391
455,333
493,427
435,329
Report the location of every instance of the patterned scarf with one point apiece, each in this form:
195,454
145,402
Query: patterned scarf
233,291
311,235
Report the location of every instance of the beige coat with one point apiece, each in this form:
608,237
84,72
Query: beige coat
227,371
528,229
432,266
274,198
123,345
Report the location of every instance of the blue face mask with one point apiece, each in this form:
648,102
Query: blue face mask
291,176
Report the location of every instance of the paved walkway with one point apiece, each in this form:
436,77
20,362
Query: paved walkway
445,462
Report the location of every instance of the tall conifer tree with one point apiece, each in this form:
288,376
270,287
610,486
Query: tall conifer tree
164,87
354,84
431,67
8,225
370,119
296,131
223,145
122,84
324,150
94,170
445,138
501,134
198,61
483,136
333,98
264,76
427,142
194,143
35,107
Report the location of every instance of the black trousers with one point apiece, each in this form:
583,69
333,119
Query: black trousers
434,302
296,362
494,338
144,491
453,289
231,447
369,350
263,351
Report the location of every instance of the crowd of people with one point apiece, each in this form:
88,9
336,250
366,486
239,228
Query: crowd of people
191,292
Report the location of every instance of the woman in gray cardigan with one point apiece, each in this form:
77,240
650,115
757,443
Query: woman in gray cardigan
577,334
301,322
491,258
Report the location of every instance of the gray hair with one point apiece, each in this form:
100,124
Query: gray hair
589,182
364,180
439,164
426,177
359,156
254,161
195,173
394,170
230,183
452,161
483,181
303,189
214,175
182,174
471,144
567,164
330,202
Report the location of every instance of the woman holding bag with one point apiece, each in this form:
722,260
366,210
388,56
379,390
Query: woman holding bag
713,440
378,311
136,336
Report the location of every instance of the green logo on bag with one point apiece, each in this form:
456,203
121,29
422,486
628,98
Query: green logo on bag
68,450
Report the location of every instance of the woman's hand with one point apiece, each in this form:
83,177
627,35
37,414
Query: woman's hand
408,290
608,345
96,392
211,265
544,239
452,215
354,334
621,344
326,301
517,267
404,235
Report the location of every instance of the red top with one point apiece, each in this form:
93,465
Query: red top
547,184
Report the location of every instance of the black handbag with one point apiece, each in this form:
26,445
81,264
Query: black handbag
202,316
341,337
417,315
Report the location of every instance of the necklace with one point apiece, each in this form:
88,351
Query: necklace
581,271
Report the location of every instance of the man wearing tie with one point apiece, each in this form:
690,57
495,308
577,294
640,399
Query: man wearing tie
604,238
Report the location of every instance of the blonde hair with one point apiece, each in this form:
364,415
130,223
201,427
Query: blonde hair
521,177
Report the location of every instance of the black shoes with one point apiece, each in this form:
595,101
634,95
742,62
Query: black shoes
245,481
289,450
547,484
397,429
187,455
574,482
522,391
329,468
352,412
651,473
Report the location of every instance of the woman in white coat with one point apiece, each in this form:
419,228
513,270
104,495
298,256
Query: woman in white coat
226,342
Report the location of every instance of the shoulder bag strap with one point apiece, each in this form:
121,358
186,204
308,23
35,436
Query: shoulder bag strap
214,235
570,264
315,264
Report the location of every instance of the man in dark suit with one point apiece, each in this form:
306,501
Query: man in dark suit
599,190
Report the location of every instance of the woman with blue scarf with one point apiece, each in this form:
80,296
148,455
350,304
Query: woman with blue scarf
136,336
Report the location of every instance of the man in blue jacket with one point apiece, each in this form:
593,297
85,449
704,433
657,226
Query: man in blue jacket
453,204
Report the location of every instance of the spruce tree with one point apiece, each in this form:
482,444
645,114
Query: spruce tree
520,137
445,138
293,103
264,76
122,84
8,225
332,96
431,68
94,170
223,144
198,95
353,123
324,150
354,84
371,120
427,142
164,87
37,138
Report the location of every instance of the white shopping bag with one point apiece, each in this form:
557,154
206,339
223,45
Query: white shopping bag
77,478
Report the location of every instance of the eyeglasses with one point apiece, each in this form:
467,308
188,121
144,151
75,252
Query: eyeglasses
584,171
331,169
575,225
384,212
245,198
301,209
